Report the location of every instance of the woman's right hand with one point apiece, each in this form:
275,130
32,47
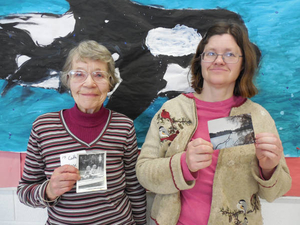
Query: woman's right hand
199,154
61,181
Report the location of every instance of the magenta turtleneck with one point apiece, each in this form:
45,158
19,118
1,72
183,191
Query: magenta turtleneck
84,126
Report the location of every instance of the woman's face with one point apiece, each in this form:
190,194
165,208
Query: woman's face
89,95
219,74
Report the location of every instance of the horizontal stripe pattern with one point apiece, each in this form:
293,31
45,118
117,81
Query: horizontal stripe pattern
124,201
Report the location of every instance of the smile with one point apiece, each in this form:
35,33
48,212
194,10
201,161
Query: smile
90,95
218,70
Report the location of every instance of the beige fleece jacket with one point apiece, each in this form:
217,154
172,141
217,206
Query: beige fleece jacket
237,182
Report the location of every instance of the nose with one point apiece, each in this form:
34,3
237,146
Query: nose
89,81
219,59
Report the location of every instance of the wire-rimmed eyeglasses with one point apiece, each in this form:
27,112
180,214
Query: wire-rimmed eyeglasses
228,57
79,76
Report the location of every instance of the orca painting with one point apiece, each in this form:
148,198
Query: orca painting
152,47
120,25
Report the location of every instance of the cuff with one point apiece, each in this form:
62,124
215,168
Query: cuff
187,174
43,195
177,175
257,173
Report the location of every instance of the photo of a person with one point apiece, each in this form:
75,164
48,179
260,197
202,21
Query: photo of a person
92,172
87,173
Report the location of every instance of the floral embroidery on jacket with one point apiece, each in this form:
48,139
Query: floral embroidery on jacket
169,133
242,209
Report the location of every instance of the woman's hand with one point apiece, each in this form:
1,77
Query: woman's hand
199,154
269,151
61,181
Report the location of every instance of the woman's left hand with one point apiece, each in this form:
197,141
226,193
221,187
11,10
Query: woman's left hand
269,151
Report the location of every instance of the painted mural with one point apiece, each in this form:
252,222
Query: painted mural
152,43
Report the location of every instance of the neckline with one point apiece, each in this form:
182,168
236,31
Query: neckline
86,119
63,120
233,101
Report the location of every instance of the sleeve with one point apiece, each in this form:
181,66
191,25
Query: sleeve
281,181
158,170
187,174
31,190
135,192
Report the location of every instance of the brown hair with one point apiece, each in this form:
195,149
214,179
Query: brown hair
244,85
90,50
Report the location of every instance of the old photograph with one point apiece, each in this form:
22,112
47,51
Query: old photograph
231,131
92,171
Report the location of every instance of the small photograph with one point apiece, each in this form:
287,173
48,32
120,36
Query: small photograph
92,171
231,131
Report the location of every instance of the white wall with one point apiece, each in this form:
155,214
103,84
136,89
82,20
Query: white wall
283,211
12,212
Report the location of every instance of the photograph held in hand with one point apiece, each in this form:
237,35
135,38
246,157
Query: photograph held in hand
231,131
92,171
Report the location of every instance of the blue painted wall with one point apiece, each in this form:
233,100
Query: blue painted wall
273,26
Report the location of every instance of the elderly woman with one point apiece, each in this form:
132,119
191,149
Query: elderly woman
195,184
89,73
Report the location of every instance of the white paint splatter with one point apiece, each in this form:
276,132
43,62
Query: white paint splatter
292,95
177,79
117,71
43,29
106,21
178,41
53,72
20,59
53,82
282,113
115,56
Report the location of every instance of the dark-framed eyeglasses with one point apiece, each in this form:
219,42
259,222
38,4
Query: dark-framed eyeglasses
228,57
79,76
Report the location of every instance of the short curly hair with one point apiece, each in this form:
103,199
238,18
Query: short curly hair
89,49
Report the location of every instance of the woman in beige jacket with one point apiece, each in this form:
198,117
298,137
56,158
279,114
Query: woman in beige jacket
195,184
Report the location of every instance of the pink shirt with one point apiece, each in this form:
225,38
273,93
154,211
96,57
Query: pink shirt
196,202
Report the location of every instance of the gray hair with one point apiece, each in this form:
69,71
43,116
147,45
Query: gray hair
90,50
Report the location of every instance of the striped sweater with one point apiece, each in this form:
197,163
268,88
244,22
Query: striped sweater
124,201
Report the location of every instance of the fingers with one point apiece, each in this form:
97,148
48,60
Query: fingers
200,142
267,138
199,154
62,180
268,150
269,142
67,169
66,173
272,149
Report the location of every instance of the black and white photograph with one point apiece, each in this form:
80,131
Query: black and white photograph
231,131
92,171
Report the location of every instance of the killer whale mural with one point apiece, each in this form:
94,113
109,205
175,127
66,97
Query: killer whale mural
124,27
120,25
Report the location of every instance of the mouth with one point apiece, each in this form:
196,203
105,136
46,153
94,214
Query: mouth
218,69
89,95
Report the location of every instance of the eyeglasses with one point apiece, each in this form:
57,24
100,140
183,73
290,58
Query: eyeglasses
79,76
228,57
